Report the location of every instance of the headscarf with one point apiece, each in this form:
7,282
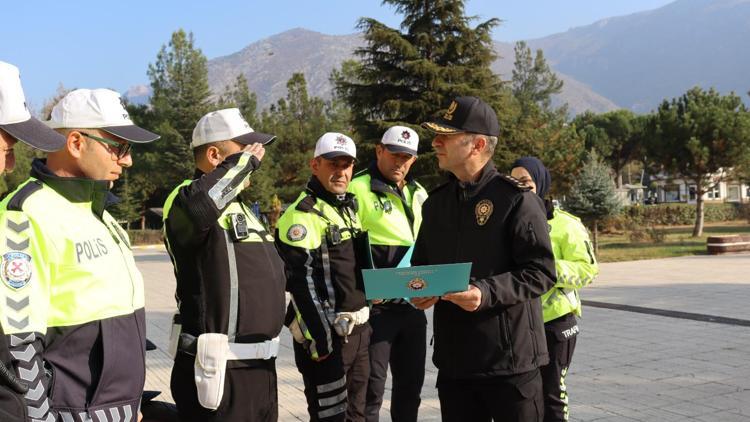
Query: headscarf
540,175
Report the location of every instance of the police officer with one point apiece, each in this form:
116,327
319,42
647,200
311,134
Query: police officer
73,298
576,267
489,339
390,210
230,279
324,249
16,124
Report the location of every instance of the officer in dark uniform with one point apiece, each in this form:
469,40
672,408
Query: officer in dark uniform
324,249
489,339
390,209
16,124
230,279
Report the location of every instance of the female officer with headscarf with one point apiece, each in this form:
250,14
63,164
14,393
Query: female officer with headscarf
576,267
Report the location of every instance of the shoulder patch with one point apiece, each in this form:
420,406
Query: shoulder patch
296,232
514,182
16,201
16,269
306,204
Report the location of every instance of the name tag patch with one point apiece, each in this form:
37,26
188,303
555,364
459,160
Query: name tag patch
16,269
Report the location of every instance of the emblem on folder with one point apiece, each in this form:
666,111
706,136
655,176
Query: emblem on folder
416,283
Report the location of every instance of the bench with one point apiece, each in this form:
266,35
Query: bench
725,244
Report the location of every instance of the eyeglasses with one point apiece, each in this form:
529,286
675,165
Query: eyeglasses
121,150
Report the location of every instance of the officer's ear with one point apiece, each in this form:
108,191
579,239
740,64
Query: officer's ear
315,165
480,144
74,143
214,156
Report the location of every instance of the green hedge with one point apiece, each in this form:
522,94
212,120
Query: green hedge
145,237
678,214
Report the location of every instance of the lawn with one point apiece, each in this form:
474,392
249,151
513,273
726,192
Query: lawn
678,242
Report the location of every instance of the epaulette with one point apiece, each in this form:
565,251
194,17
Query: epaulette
306,204
438,188
16,201
514,182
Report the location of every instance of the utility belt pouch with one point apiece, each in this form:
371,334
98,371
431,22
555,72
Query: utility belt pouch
174,335
210,368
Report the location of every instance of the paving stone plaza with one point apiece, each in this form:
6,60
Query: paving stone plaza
661,340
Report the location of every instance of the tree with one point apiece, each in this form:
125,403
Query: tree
533,81
700,136
181,96
239,95
297,120
533,127
405,75
616,136
592,197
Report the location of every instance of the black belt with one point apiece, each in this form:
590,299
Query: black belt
187,343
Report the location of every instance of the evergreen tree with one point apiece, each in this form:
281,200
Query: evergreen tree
592,196
533,127
405,75
128,209
699,136
179,81
617,136
239,95
297,120
533,81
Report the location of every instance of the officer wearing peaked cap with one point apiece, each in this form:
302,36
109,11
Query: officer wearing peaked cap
16,124
75,317
390,210
489,339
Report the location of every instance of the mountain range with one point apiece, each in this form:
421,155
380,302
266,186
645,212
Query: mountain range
631,62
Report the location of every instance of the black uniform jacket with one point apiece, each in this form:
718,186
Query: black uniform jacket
501,228
205,257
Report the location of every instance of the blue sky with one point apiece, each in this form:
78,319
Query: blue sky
92,44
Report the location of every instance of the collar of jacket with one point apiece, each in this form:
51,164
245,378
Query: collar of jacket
76,189
379,183
467,190
316,189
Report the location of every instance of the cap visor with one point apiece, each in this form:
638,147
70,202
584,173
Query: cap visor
255,138
441,128
333,154
398,149
131,133
36,134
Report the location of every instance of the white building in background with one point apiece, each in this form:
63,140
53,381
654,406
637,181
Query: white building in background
725,189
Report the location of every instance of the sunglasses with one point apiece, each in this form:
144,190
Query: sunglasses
121,150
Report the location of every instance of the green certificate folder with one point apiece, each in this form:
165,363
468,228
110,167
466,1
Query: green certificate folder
425,280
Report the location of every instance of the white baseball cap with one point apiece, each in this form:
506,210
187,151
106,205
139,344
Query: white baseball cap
97,109
224,125
401,139
332,145
15,118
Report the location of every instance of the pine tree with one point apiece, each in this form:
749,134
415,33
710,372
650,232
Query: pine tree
534,127
406,75
592,197
239,95
698,136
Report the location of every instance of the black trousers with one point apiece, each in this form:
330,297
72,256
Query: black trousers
398,338
515,398
561,342
335,387
250,393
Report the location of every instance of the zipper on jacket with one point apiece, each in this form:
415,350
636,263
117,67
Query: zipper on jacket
533,331
530,232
